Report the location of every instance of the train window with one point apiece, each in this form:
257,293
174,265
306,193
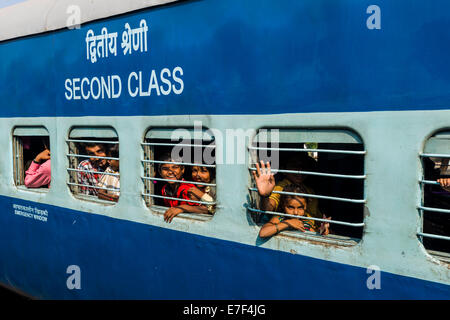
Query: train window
31,149
94,164
434,208
179,172
329,166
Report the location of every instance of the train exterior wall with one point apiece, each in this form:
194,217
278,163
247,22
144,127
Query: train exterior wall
233,65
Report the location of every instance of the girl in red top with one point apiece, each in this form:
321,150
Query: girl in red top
176,189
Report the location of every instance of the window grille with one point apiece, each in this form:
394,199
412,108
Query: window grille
90,175
434,208
190,153
335,171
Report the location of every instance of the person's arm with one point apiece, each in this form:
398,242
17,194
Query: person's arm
104,195
38,174
264,179
196,194
265,183
268,204
174,211
274,226
445,183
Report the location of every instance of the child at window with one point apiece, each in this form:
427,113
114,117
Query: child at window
110,181
207,193
265,183
173,173
293,205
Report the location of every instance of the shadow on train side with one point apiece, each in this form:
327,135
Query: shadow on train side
7,294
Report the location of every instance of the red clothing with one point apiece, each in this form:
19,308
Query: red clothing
182,193
38,175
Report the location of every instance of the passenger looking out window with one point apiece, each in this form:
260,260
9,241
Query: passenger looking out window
203,192
436,196
110,179
265,183
97,165
173,173
444,175
296,206
39,174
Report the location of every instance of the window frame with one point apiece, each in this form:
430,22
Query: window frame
432,148
81,134
338,135
18,133
149,170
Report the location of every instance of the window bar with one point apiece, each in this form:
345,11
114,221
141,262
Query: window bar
434,155
180,163
91,186
307,195
430,235
433,209
16,161
310,150
176,144
21,171
180,181
93,141
95,172
308,218
184,200
88,157
319,174
149,169
72,163
429,182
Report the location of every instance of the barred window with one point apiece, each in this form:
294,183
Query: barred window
191,181
329,164
93,154
30,143
434,209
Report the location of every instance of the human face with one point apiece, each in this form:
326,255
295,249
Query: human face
171,172
295,206
114,164
200,174
98,151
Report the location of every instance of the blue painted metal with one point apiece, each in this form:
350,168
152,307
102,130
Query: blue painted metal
247,57
169,264
238,57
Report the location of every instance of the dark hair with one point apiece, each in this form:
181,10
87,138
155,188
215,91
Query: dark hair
46,142
85,145
212,171
167,157
294,188
114,151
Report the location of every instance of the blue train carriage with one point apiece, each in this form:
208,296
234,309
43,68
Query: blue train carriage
357,89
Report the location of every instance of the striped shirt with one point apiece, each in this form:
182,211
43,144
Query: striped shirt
88,178
110,182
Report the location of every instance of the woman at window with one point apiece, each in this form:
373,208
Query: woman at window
39,174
